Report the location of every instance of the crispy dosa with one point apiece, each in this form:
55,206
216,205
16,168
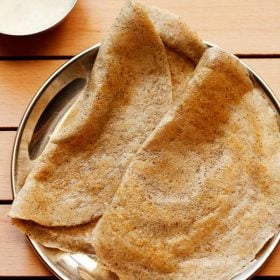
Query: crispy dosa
80,169
138,74
69,239
201,197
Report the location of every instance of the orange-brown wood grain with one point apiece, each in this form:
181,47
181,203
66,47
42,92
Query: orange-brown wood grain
242,27
272,266
269,70
16,255
6,144
19,81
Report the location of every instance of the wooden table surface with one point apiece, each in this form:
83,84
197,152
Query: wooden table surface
250,29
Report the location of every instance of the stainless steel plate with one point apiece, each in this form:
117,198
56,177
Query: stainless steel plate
47,107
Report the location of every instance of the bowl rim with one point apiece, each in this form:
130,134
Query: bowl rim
49,27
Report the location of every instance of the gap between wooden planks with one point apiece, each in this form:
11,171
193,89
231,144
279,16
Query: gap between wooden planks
225,23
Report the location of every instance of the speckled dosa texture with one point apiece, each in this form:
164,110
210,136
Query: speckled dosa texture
141,70
201,197
173,146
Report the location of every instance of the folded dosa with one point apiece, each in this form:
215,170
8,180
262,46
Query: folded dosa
138,74
201,197
69,239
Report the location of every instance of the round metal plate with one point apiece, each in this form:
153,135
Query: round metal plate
47,107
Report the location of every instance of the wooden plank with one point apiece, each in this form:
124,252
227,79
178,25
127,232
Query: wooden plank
6,144
272,267
16,255
19,81
17,87
243,27
18,259
269,70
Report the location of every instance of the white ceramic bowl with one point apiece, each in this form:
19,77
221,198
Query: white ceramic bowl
28,17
